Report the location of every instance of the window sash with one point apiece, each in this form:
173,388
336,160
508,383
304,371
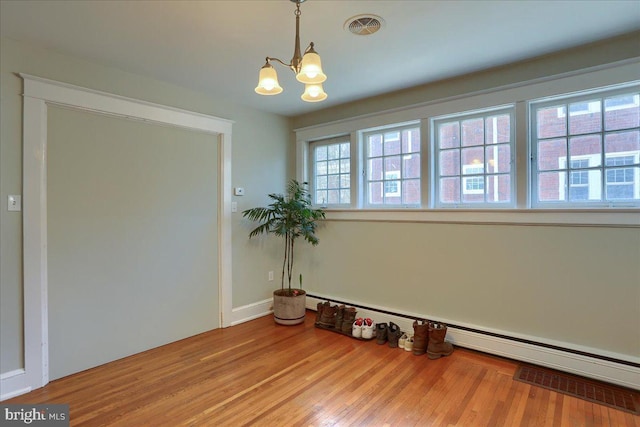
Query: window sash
483,182
330,172
392,166
587,126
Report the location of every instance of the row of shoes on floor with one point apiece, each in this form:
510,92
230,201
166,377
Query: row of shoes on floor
428,337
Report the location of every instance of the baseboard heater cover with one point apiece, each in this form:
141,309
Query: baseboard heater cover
598,366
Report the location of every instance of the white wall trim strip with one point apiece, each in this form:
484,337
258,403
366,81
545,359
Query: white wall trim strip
603,370
38,94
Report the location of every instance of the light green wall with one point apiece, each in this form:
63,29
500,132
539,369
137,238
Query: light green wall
574,285
260,161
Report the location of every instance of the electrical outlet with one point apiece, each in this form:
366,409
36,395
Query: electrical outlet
271,276
14,203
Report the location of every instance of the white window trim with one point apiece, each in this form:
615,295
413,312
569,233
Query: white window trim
511,111
518,93
604,92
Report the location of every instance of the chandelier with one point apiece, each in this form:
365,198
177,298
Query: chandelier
307,68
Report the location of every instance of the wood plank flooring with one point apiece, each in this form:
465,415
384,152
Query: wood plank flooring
262,374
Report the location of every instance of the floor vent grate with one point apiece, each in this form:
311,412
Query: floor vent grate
593,391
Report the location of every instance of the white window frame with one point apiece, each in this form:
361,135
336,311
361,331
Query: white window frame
395,176
597,163
311,179
509,110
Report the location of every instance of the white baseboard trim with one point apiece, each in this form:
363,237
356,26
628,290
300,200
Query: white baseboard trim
603,370
251,311
13,383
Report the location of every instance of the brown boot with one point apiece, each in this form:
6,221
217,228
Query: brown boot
393,335
339,317
319,312
437,347
420,337
348,317
328,317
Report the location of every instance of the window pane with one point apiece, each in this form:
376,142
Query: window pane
392,144
623,183
584,185
498,158
552,186
552,121
498,188
392,164
411,166
374,169
345,166
375,193
321,153
622,112
450,190
321,197
473,189
345,196
449,162
321,182
473,132
550,152
473,156
345,150
617,142
589,146
333,181
411,192
345,181
333,151
334,197
333,166
498,129
375,146
411,141
585,117
321,168
449,135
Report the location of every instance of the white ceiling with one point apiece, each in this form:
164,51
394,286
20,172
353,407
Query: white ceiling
218,47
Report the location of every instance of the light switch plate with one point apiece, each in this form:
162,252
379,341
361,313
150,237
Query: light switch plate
14,203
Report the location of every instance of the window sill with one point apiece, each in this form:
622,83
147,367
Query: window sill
626,218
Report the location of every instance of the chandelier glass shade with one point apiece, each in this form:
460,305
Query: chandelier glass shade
307,68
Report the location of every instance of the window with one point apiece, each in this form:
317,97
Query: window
392,164
473,157
331,177
590,156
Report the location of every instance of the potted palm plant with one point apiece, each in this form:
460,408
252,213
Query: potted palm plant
290,216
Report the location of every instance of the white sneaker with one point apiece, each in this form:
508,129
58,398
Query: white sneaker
368,329
408,344
356,330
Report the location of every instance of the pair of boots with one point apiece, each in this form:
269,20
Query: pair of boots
388,333
428,337
335,316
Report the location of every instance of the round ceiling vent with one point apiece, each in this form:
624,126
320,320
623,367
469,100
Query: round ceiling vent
364,25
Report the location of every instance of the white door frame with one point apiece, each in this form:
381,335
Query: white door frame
38,94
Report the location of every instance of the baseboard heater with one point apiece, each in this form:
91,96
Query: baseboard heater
602,367
491,334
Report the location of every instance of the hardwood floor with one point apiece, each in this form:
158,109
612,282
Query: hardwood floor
262,374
